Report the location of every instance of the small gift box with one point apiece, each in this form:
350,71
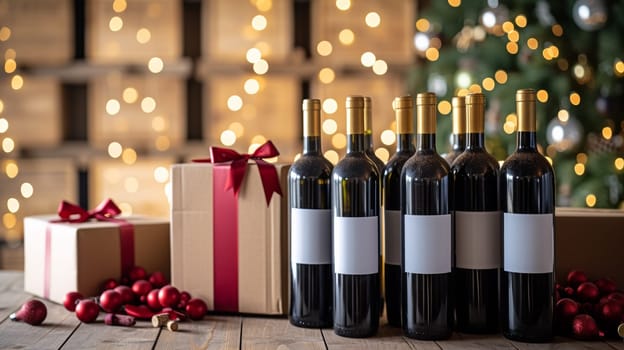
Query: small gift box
229,231
78,249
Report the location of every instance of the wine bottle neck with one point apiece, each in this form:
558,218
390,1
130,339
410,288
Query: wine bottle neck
458,142
425,142
475,140
526,140
405,142
311,145
356,143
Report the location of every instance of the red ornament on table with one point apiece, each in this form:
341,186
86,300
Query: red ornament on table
87,310
184,298
157,279
32,312
584,327
576,277
611,312
169,296
587,291
196,309
71,299
110,283
137,273
605,285
566,309
110,300
127,295
152,300
141,288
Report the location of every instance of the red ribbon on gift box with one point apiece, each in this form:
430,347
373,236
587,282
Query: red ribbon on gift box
105,211
238,167
229,172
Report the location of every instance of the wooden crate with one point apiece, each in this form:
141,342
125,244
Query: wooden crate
391,40
133,187
227,31
132,126
161,17
52,180
41,30
273,112
36,106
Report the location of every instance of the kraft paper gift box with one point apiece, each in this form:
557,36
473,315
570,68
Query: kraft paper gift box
60,257
231,250
590,240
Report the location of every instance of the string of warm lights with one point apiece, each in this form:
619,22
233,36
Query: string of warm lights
10,165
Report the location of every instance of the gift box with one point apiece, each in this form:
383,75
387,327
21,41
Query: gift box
589,240
62,256
231,247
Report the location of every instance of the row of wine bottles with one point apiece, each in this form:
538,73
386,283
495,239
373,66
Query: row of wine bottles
468,246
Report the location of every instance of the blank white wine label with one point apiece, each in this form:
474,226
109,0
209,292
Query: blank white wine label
477,239
310,236
529,243
392,224
356,245
428,246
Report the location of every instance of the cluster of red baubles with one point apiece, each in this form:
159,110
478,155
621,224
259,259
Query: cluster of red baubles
588,310
138,295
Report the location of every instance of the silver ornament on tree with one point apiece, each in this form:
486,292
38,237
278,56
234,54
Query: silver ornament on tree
589,15
564,132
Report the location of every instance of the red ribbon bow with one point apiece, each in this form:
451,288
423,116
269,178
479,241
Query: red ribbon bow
238,167
73,213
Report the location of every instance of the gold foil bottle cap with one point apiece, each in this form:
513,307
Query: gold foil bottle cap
311,117
403,108
311,104
426,113
355,114
475,113
525,95
525,109
354,102
459,115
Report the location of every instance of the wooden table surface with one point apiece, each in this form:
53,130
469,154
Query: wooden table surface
62,330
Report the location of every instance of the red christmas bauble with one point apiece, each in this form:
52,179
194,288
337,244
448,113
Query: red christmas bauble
584,327
587,291
169,296
71,299
617,296
568,292
127,295
566,309
137,273
87,310
141,288
611,311
110,300
184,298
605,285
576,277
32,312
152,300
196,309
110,283
158,279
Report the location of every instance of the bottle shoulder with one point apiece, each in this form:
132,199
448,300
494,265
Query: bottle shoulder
314,166
426,165
526,163
475,162
355,166
396,162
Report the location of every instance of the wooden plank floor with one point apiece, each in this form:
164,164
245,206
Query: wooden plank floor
61,330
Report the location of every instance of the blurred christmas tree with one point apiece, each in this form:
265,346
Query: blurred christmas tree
571,51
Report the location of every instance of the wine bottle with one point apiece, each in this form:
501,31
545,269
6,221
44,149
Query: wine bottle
458,135
528,200
309,189
427,310
391,184
379,164
355,207
476,213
